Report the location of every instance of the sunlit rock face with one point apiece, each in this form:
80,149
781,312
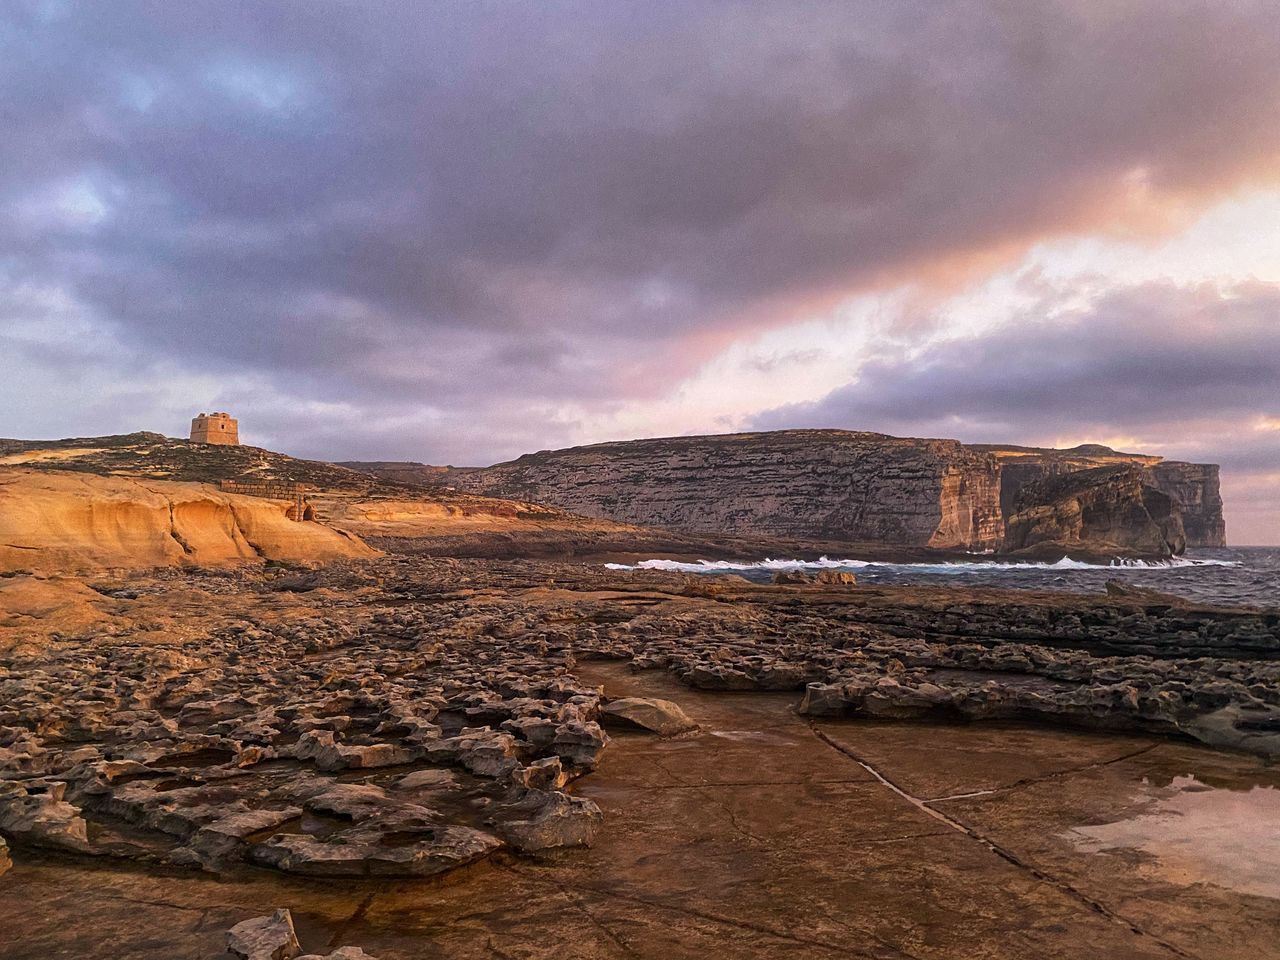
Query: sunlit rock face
814,484
65,521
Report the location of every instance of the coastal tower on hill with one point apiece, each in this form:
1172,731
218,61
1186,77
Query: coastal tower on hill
220,428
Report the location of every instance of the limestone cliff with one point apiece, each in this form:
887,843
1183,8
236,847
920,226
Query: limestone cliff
835,485
1195,486
811,484
1109,511
62,521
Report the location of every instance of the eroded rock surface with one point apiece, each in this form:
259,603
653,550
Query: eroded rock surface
403,717
264,938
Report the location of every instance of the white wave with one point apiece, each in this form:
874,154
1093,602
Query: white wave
951,567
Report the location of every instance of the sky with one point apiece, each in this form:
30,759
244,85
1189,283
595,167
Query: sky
460,231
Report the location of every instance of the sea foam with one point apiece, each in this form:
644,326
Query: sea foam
951,567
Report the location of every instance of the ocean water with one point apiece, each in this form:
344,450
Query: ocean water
1232,575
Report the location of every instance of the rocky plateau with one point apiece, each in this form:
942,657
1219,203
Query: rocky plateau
851,487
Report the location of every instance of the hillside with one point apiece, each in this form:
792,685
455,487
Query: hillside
121,518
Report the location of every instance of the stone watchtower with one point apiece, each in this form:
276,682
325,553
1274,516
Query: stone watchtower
219,428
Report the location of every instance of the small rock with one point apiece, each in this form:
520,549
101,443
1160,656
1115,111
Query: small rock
660,716
551,820
545,774
264,938
426,778
5,861
792,577
836,578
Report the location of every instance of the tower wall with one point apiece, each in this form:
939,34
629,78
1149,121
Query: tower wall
216,428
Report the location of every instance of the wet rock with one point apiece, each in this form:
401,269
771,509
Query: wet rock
426,778
659,716
264,938
1128,592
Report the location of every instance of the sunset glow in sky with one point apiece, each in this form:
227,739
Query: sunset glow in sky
457,232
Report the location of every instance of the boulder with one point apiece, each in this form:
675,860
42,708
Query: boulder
264,938
579,743
659,716
792,578
550,819
545,774
836,578
5,861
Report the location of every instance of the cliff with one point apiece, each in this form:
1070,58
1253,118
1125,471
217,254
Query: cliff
807,484
1195,486
60,521
1109,511
862,488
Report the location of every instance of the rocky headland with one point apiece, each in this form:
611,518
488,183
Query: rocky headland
1101,511
856,488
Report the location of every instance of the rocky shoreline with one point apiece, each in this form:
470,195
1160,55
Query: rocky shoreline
404,717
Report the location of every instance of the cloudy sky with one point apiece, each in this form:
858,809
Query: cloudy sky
459,231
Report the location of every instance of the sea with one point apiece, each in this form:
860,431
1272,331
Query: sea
1230,575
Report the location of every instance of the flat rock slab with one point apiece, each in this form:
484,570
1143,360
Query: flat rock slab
264,938
649,713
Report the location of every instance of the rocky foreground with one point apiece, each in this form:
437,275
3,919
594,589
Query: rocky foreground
402,718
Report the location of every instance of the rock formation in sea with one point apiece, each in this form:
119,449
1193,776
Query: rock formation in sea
1110,511
1195,486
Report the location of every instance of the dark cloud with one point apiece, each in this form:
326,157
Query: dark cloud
440,223
1190,372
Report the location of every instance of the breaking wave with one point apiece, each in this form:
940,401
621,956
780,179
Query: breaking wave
951,567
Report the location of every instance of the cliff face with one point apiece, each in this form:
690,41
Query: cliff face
1108,511
1194,486
870,488
61,521
815,484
